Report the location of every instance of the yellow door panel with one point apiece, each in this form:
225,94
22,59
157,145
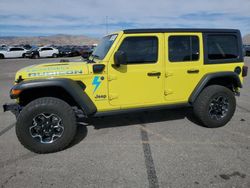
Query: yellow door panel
140,83
182,71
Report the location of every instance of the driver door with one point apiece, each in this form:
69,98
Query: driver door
11,53
138,83
45,52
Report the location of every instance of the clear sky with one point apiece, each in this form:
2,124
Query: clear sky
88,17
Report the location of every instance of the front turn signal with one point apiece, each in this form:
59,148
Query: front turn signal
14,93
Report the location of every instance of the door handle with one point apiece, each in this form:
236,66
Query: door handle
193,71
154,73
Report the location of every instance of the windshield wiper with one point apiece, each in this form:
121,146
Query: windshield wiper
89,60
95,56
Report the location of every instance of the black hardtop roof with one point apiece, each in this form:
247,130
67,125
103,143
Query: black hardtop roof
165,30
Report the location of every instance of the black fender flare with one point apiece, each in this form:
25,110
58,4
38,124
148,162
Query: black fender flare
208,77
74,89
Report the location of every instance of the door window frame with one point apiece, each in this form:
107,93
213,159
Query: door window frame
143,36
184,35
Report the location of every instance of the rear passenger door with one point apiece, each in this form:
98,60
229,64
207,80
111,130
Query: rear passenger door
184,58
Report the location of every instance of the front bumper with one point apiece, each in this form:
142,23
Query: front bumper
13,107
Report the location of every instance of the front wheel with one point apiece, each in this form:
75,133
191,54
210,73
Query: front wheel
46,125
215,106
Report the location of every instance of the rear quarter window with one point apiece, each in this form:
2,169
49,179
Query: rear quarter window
223,48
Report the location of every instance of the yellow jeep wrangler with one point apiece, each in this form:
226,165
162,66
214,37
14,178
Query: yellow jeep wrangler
130,70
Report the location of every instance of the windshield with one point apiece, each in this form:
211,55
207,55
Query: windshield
104,46
3,48
34,49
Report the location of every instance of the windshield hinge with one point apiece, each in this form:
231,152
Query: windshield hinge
168,74
112,77
168,92
113,96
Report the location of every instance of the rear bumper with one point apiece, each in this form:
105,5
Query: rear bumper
27,54
244,71
13,107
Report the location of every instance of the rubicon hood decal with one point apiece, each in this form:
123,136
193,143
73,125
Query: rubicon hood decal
54,70
57,73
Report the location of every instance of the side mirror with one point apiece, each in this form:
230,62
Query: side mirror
120,58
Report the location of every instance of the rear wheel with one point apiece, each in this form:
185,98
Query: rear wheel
215,106
54,55
35,56
46,125
1,56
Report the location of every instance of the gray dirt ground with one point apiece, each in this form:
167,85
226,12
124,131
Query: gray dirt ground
155,149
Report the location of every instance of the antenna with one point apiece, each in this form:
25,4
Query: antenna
106,22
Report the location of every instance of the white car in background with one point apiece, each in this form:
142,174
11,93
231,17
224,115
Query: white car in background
42,52
12,52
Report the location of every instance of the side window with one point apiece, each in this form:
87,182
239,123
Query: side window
45,49
140,49
183,48
13,49
16,49
222,47
19,49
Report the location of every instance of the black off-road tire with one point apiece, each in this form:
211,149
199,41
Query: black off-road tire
47,105
202,105
1,56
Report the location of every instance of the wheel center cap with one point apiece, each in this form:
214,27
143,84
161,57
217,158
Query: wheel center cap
47,132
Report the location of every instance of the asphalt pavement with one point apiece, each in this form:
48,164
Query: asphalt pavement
166,148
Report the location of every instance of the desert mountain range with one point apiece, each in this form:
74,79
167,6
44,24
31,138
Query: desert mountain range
59,39
246,39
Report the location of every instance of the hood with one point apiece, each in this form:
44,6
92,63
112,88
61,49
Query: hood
52,70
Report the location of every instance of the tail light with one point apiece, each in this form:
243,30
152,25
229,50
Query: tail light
244,71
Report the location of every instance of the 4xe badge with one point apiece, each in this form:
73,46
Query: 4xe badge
97,82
